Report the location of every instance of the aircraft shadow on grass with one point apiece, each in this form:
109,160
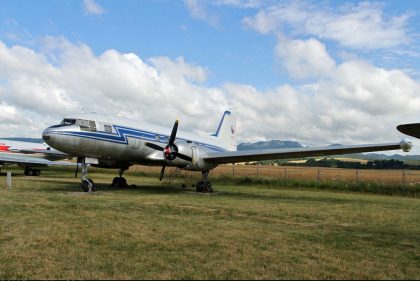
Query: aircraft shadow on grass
177,190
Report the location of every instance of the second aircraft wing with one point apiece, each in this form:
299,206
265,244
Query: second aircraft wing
19,159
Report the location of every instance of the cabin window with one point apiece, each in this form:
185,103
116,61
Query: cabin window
108,128
92,126
86,125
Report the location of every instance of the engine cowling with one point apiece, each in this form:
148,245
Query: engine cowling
195,153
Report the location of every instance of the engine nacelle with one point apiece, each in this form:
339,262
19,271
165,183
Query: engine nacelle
195,152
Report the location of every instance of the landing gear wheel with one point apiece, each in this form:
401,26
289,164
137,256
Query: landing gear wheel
119,182
198,187
204,186
28,172
36,172
115,181
123,182
86,183
209,188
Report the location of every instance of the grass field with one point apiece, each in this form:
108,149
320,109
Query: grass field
52,230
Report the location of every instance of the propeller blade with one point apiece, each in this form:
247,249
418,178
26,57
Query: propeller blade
162,172
173,134
154,146
184,157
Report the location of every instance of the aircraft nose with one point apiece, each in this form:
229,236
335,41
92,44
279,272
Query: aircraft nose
46,134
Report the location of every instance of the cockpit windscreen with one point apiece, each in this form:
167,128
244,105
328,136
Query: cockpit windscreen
68,122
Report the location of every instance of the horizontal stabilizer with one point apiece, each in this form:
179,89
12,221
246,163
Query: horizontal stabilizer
410,129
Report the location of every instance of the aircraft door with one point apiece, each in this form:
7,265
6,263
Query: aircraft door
195,155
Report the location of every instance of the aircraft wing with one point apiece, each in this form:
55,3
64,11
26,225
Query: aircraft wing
50,154
19,159
272,154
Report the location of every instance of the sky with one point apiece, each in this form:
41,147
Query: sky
317,72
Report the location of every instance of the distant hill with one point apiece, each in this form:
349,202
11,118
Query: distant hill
379,156
36,140
271,144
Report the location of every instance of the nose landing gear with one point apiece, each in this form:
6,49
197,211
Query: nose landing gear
87,184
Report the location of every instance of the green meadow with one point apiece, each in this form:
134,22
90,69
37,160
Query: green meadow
49,229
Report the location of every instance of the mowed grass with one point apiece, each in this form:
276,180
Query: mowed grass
49,229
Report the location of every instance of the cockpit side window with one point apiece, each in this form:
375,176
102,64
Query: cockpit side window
68,122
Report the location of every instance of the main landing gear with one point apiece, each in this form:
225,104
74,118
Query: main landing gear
120,181
204,185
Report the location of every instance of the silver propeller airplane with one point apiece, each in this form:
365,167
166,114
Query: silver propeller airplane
113,142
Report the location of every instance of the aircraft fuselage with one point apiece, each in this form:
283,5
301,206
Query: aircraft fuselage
120,142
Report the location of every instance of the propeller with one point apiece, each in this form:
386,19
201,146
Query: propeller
170,151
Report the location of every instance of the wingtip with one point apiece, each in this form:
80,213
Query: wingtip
406,146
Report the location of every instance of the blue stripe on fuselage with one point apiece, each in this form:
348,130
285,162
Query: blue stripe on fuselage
122,133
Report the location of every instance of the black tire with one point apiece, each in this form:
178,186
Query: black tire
123,182
36,172
199,187
116,181
85,185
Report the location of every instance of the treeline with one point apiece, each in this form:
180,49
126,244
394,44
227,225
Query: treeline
334,163
374,164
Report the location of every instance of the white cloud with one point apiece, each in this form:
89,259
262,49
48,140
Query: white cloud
360,26
240,3
355,103
199,12
92,8
304,58
179,69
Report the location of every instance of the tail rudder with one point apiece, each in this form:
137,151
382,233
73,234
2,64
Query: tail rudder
226,132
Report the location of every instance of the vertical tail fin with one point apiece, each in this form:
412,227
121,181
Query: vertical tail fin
226,132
